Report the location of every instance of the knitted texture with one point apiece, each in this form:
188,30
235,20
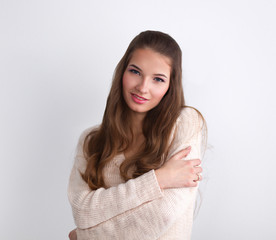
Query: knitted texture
138,208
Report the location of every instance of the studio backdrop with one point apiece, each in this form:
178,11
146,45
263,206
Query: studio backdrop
57,59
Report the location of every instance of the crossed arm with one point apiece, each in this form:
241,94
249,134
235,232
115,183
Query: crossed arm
141,208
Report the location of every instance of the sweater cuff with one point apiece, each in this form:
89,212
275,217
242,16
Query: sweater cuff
148,187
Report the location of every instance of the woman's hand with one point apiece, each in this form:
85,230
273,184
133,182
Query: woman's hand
176,173
73,235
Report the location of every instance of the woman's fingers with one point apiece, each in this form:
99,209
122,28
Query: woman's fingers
182,154
198,169
195,171
197,177
73,235
195,162
177,172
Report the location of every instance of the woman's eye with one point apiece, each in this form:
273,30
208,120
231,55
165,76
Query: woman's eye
159,79
134,71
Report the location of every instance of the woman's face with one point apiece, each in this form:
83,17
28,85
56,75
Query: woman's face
146,80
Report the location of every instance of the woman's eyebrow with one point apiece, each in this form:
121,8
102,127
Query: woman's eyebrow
157,74
132,65
161,75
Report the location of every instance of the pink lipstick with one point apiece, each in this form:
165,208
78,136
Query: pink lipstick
138,99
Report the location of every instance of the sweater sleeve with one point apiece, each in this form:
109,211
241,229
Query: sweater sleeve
91,208
137,209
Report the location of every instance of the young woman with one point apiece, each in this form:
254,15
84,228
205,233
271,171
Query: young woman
129,180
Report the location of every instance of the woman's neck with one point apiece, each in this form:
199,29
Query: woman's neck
138,137
137,124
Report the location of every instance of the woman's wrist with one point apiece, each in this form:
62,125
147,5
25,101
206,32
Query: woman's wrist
160,178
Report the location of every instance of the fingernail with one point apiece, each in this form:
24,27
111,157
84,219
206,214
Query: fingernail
188,148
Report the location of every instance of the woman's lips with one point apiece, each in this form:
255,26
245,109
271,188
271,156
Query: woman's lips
138,99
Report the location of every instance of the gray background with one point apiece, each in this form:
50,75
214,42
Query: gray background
56,63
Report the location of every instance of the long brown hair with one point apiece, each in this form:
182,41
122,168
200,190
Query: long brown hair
101,145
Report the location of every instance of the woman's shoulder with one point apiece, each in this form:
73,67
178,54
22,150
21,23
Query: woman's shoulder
190,115
88,130
85,133
189,122
187,130
79,156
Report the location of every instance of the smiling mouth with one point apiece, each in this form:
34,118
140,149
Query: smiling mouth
139,97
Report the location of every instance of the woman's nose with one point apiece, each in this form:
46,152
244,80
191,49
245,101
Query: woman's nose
143,85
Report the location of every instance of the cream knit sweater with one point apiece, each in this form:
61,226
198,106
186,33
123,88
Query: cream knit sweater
136,209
